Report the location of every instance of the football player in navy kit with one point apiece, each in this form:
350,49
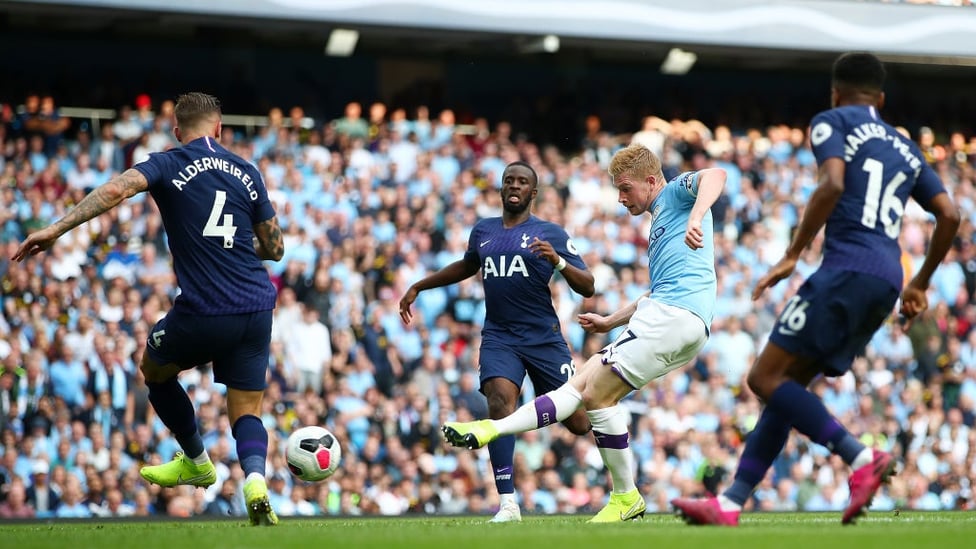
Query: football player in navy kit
220,226
517,255
867,171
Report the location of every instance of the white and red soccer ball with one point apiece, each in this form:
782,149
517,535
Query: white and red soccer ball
312,453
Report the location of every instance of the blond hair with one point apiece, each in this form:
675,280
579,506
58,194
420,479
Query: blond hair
636,160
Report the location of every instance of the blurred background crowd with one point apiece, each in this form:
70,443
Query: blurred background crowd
381,196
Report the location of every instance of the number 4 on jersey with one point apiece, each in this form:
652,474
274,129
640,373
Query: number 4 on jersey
214,227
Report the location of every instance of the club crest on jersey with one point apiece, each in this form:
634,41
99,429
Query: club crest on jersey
525,240
506,267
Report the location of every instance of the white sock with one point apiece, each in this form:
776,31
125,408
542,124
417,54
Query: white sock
254,476
202,459
507,499
545,410
610,429
727,504
864,458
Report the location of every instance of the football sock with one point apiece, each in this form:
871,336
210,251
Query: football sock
174,408
507,499
501,451
252,444
808,415
763,444
864,458
545,410
613,441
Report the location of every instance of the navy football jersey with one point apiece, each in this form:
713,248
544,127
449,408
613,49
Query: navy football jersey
882,170
518,303
209,199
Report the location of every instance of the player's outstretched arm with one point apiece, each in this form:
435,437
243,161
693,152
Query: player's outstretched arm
711,183
596,323
105,197
913,300
451,274
270,244
822,203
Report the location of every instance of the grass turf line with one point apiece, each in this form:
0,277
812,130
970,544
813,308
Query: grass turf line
909,529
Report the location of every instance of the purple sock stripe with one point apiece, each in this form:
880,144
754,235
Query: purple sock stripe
753,466
545,411
251,445
621,376
614,442
828,432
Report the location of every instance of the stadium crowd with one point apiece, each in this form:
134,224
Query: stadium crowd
372,201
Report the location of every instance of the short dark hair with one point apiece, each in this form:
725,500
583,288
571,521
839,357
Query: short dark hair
535,176
193,107
859,70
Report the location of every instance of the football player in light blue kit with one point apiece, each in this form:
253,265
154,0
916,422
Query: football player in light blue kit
665,328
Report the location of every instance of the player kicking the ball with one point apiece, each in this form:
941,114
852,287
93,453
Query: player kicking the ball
665,328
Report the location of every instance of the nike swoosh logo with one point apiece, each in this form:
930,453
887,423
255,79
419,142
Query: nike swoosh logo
190,480
630,512
485,242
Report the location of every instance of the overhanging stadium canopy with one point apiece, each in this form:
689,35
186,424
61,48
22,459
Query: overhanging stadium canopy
926,33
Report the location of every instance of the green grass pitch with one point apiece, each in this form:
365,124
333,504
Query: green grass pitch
757,531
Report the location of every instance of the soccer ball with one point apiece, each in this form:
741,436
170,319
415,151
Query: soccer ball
312,453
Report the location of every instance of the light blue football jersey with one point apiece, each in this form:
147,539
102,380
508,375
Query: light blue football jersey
680,276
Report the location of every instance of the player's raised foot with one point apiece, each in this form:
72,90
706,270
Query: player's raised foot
471,434
704,511
259,509
621,508
864,483
181,470
508,512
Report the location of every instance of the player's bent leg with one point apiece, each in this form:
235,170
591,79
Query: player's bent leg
578,423
192,466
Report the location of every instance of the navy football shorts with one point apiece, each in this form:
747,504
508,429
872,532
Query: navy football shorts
238,345
833,316
548,366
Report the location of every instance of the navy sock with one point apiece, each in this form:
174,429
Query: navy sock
252,444
502,454
763,444
808,415
174,408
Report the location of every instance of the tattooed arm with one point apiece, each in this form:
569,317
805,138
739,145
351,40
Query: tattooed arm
270,244
102,199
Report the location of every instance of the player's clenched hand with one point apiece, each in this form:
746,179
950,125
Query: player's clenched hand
913,301
544,249
405,302
593,323
36,243
779,271
694,236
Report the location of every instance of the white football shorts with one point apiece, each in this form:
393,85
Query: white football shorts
659,338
